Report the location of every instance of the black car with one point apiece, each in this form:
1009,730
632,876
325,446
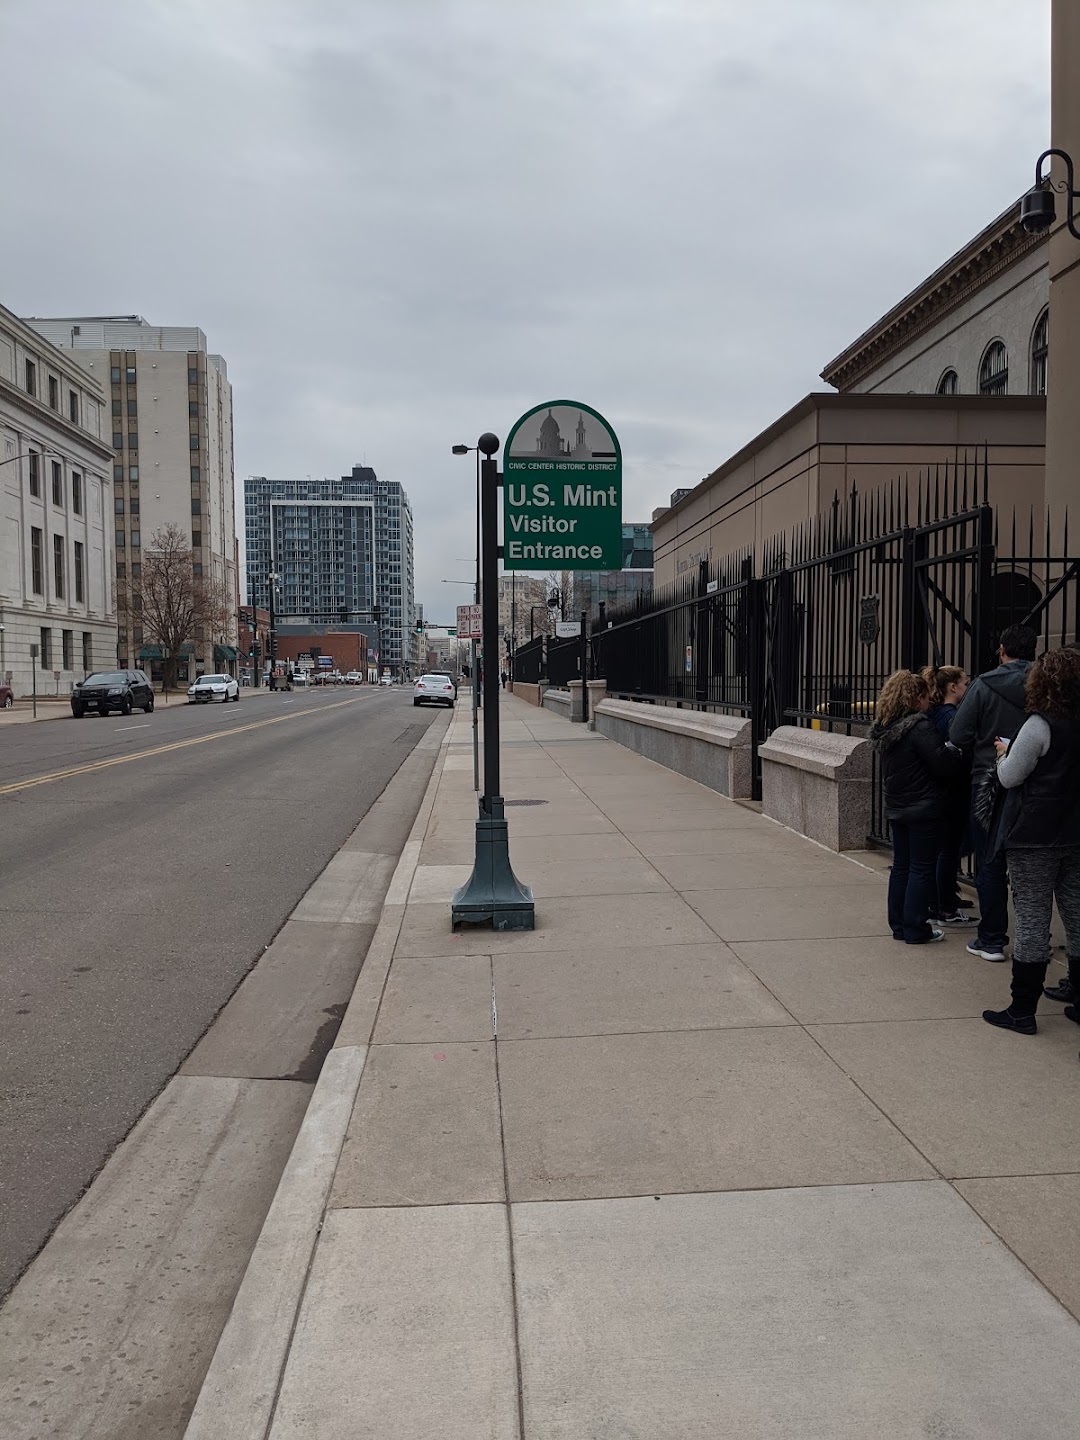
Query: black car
106,690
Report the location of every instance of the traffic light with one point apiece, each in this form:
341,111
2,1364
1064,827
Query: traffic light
273,645
376,613
419,627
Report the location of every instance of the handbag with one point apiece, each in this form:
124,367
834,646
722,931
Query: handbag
986,795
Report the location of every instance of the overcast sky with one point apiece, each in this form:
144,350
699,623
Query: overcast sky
404,222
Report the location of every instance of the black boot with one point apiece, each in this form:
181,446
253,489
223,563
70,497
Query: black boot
1069,988
1072,984
1027,983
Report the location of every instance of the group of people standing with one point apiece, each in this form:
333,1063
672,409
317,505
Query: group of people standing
991,765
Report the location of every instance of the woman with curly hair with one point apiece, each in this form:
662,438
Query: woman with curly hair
1039,830
917,767
948,685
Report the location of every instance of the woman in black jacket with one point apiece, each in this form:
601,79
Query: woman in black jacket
1039,830
917,767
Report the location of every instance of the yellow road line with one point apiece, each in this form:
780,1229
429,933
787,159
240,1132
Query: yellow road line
173,745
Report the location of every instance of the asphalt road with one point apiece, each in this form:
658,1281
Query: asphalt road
145,864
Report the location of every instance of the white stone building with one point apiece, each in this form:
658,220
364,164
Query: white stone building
56,563
169,417
977,326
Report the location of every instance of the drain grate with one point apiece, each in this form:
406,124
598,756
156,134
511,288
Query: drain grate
525,802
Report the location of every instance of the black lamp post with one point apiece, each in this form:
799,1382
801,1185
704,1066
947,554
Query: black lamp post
492,892
271,638
1037,209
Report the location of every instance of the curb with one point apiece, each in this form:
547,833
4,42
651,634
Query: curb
239,1391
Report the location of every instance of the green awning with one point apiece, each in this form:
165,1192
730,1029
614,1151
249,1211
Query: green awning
225,652
153,652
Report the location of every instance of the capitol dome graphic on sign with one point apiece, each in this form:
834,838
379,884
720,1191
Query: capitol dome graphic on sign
541,436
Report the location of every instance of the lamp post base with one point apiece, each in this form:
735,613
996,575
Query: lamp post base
493,892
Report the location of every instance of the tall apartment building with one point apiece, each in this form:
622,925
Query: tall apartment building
340,548
170,406
56,585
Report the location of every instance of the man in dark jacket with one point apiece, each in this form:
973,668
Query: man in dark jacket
993,707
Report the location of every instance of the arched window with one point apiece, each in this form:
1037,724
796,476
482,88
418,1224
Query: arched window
1040,339
994,370
949,384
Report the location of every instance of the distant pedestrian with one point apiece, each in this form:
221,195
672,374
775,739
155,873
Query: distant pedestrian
948,685
502,679
917,767
993,706
1039,832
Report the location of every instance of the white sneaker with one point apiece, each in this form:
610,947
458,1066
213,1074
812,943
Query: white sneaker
957,918
975,948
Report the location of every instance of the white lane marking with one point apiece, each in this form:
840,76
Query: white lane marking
118,728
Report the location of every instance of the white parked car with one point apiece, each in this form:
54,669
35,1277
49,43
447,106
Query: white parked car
300,677
434,690
354,678
213,687
387,680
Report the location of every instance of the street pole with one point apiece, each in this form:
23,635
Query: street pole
584,668
492,892
33,674
513,624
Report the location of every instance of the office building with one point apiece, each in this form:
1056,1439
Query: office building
170,405
615,589
56,588
341,550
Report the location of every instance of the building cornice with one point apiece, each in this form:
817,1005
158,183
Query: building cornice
50,419
819,400
990,253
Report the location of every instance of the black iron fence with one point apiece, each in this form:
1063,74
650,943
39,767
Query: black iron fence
900,578
529,661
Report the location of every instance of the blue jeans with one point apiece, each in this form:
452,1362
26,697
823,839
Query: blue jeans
954,831
992,884
912,881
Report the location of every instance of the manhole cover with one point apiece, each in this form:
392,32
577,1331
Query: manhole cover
525,802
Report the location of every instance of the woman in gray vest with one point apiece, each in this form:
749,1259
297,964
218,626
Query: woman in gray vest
1039,830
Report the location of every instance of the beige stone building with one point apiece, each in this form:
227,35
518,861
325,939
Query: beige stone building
955,375
827,444
169,418
56,565
977,326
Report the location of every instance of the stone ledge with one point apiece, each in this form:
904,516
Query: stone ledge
557,700
819,752
531,693
819,784
714,750
729,731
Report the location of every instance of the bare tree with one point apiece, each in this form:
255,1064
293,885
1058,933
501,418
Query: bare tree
174,606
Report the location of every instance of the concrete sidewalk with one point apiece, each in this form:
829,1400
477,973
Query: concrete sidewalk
707,1154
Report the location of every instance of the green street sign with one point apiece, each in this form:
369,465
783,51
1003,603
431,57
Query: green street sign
562,491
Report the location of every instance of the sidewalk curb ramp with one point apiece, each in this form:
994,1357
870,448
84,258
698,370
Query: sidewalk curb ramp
239,1391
